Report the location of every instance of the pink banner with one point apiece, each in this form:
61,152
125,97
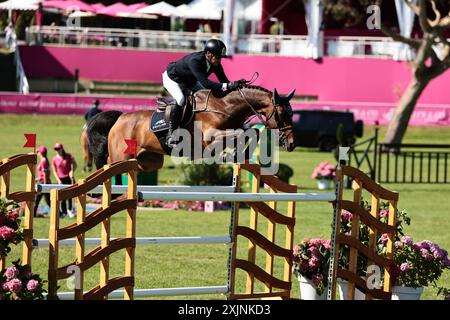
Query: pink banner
369,112
69,104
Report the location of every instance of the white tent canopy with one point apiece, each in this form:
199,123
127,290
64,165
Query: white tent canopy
20,5
204,9
161,8
181,10
249,10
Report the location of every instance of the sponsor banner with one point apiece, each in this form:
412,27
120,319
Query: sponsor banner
69,104
370,113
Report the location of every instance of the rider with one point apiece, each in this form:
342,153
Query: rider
192,72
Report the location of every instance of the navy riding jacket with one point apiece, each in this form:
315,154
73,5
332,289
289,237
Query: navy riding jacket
192,68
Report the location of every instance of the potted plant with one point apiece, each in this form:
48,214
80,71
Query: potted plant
17,282
344,253
324,173
311,260
417,265
10,231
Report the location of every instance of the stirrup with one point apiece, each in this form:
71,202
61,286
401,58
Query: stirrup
171,141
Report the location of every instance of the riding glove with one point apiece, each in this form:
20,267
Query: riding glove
236,84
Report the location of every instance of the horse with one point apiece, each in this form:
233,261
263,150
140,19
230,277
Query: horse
108,130
87,155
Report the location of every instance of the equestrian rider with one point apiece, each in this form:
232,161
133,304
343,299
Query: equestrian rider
192,72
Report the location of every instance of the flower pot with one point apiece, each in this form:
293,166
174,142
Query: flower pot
308,290
406,293
323,184
342,285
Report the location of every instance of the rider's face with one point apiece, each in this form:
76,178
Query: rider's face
213,59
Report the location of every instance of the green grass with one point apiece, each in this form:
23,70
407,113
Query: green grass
194,265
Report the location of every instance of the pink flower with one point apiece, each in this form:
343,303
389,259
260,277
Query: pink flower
446,262
11,272
404,267
7,233
424,252
384,238
384,213
32,285
407,240
296,250
304,265
15,285
438,254
398,244
313,262
346,216
317,279
327,244
13,215
5,286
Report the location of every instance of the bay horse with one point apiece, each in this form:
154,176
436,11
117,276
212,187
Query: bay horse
108,130
87,155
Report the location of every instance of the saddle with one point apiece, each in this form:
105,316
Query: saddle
160,120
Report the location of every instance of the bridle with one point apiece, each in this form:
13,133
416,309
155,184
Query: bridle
283,130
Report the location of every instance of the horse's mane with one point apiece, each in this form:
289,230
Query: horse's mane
225,93
258,88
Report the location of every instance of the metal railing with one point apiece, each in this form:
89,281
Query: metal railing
283,45
360,47
413,163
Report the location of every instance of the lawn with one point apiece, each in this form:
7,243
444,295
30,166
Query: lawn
193,265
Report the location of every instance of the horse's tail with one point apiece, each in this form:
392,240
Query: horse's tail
97,131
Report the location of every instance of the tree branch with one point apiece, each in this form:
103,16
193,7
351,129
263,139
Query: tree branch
435,22
424,23
445,22
397,37
414,7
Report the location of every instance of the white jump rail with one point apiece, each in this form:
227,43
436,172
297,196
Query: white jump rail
41,243
160,292
235,197
46,188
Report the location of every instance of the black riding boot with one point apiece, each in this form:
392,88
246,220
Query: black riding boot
175,118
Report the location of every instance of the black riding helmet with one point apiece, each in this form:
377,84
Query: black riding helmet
216,47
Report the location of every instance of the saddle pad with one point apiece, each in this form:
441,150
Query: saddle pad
158,122
166,101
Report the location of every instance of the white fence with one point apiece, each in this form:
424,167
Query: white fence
281,45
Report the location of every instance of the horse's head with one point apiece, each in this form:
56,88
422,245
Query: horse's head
279,116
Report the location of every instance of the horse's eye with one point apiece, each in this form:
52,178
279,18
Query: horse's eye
289,110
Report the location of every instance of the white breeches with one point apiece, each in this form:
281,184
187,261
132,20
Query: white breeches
174,89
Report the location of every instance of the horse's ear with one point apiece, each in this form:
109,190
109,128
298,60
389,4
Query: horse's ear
276,96
291,94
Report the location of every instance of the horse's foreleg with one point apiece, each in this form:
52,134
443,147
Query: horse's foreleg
150,161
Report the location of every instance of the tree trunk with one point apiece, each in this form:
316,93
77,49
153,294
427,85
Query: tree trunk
403,111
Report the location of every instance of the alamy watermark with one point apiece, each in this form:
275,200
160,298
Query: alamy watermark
374,20
73,21
226,146
74,281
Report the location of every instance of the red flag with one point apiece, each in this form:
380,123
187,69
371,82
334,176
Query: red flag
131,146
31,140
